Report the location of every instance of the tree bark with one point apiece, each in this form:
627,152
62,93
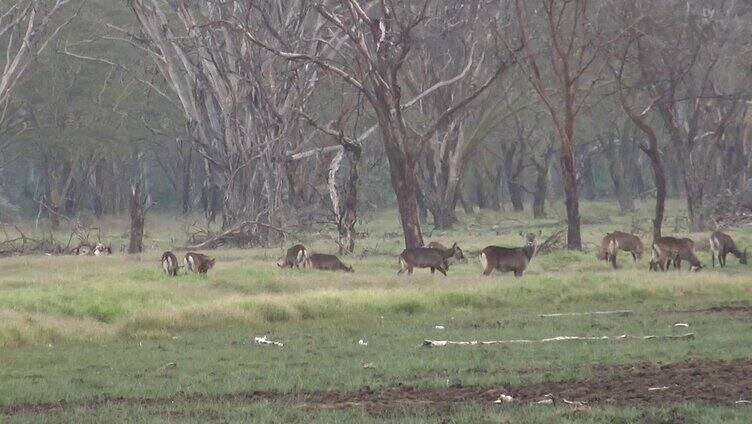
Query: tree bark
539,197
185,185
574,238
137,213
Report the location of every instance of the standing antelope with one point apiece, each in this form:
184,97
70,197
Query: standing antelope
504,259
170,263
721,245
667,249
426,257
295,257
459,255
326,262
197,262
618,240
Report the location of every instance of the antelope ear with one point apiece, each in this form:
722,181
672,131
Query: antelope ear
540,232
454,245
521,234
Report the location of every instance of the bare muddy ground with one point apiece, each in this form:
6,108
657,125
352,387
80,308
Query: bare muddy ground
742,310
640,384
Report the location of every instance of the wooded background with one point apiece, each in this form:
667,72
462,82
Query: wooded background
278,114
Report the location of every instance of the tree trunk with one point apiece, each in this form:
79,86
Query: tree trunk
574,240
137,212
587,178
496,190
569,173
515,195
696,211
404,179
444,216
652,152
349,214
185,196
407,203
480,193
618,178
539,197
422,208
467,205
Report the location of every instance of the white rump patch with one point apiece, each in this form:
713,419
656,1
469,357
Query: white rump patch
483,261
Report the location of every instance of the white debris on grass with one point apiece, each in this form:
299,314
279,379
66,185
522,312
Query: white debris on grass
264,341
576,314
363,342
439,327
681,324
442,343
655,389
504,399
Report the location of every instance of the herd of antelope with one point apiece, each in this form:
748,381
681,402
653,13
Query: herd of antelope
435,257
669,250
666,251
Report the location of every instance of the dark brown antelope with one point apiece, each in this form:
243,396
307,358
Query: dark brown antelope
505,259
326,262
674,249
721,245
170,263
458,255
618,240
197,262
295,257
427,257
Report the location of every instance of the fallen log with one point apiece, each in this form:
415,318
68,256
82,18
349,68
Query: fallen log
239,234
442,343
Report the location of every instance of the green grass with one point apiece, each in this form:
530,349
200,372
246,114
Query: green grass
84,328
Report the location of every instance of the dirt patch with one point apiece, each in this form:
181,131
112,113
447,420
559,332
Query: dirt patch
640,384
744,310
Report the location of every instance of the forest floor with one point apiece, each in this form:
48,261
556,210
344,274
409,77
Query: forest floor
113,339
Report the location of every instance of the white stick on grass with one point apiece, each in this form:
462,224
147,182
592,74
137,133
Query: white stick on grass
441,343
575,314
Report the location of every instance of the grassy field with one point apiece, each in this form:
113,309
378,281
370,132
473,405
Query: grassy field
86,339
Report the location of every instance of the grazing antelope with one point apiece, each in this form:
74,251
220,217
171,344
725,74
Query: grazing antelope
197,262
677,260
721,245
326,262
102,249
295,257
666,249
618,240
427,257
515,259
170,263
459,255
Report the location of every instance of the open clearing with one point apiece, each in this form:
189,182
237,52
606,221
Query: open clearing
90,339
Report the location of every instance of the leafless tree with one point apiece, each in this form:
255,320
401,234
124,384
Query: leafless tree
567,42
26,28
685,53
239,100
372,44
